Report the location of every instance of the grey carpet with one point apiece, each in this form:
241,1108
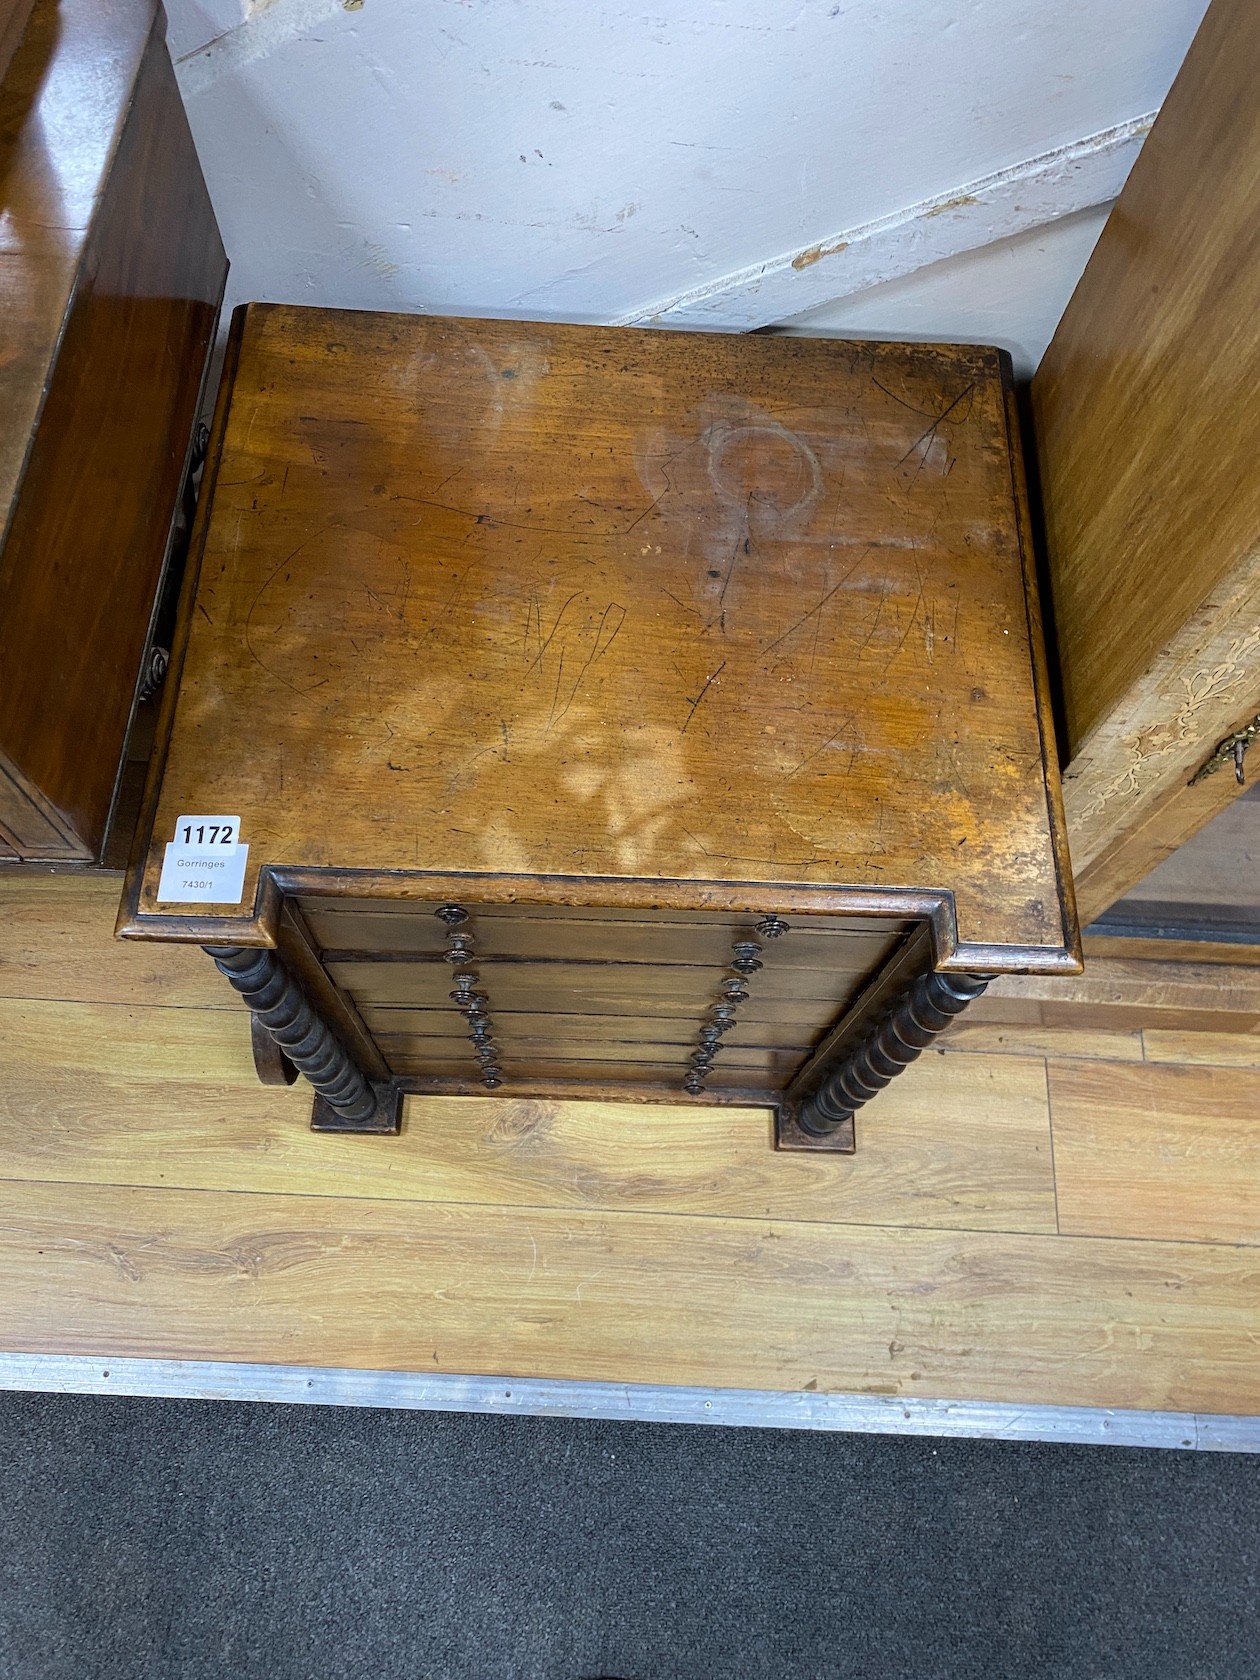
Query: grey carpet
147,1539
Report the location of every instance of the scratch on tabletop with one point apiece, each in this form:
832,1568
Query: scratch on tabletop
695,704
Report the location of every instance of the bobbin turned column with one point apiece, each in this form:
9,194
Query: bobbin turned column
346,1100
821,1116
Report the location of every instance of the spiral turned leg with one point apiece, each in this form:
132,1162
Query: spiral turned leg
922,1011
276,1000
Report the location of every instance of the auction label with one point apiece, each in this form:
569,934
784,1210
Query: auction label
204,863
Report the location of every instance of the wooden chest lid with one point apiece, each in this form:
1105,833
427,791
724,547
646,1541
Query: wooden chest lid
614,616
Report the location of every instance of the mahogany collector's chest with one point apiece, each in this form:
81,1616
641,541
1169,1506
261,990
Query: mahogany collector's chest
580,711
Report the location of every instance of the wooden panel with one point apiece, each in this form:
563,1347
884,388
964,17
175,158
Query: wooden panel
580,1073
113,271
30,823
1139,405
104,1094
328,1281
1201,904
1118,846
571,1076
1157,1151
700,618
57,941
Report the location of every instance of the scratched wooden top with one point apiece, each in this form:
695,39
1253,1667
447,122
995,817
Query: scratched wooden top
541,601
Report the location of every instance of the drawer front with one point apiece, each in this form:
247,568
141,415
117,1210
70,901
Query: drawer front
581,988
667,1076
797,1033
347,934
522,1056
507,994
313,905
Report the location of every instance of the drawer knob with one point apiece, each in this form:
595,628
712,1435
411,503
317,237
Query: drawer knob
746,956
472,1004
745,960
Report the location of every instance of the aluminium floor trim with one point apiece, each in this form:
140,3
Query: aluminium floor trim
643,1402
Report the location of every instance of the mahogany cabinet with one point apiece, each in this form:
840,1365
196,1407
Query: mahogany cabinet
111,276
569,710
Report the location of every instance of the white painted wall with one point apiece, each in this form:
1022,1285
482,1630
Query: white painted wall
1010,293
604,161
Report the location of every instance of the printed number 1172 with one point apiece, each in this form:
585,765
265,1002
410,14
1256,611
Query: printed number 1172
212,834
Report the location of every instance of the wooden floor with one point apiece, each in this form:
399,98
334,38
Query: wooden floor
1062,1213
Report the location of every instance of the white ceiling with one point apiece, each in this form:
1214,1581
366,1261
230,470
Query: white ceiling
725,163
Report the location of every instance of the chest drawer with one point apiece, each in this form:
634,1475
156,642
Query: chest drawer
585,988
591,936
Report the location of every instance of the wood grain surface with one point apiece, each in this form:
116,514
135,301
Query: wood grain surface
1152,514
547,1293
55,943
1211,1049
968,1147
111,272
1128,994
1158,1151
159,1202
557,606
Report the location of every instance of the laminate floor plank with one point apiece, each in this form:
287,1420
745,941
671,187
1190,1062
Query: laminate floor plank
992,1038
628,1297
1240,1050
57,941
101,1094
156,1200
1157,1151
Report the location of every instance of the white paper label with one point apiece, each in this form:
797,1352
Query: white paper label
204,863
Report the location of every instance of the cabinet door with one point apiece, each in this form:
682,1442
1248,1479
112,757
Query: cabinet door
111,272
1145,409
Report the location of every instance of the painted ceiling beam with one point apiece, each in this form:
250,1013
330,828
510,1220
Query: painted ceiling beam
1042,189
364,154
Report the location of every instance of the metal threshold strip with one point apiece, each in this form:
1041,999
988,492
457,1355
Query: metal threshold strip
627,1402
